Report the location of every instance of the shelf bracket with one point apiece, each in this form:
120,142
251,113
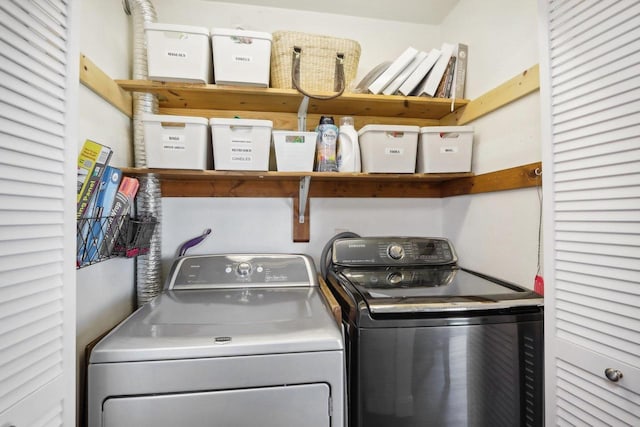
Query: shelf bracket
302,114
303,196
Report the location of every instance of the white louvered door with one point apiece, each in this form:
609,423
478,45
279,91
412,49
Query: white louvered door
590,94
38,98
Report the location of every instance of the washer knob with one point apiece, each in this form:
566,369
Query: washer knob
243,269
394,278
395,251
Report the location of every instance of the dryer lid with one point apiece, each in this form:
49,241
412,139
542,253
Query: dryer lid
223,322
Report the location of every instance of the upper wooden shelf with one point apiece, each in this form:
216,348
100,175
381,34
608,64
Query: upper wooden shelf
239,98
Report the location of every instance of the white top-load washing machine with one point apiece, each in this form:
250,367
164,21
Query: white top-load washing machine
234,340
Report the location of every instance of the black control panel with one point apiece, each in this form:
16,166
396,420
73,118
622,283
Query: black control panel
385,251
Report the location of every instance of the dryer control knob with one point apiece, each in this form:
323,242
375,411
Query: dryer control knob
395,251
244,268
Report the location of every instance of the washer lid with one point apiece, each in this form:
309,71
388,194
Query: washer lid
223,322
435,289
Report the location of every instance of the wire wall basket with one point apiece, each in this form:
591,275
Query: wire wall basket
101,238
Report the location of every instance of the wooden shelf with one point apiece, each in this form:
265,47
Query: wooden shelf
281,106
235,99
191,183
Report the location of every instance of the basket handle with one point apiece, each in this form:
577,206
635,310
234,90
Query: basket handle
339,75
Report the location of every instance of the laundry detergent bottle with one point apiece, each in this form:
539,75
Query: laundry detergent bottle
326,145
348,147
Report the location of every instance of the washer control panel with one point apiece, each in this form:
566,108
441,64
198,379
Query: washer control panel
384,251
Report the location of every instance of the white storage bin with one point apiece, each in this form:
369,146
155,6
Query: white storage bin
178,53
295,151
241,144
176,142
445,149
388,148
241,57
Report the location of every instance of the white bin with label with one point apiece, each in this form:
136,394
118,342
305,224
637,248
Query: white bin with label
445,149
241,57
241,144
295,151
179,53
388,148
176,142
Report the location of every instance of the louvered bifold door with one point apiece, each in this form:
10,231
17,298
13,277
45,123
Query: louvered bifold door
38,91
590,87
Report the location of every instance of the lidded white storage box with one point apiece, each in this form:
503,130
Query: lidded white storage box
388,148
295,151
178,53
241,57
445,149
241,144
176,142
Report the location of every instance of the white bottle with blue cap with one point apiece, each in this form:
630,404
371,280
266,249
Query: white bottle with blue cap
348,147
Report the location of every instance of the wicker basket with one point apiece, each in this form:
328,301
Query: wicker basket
317,62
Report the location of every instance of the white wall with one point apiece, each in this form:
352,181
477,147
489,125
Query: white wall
105,291
263,224
380,40
501,35
496,233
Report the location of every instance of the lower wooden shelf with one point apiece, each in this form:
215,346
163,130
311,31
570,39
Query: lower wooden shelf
301,186
192,183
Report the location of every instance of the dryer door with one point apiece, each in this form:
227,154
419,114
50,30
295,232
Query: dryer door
282,406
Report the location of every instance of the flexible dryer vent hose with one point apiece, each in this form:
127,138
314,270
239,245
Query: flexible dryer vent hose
149,199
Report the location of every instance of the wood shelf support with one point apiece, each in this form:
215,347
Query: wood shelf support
99,82
301,216
519,86
303,196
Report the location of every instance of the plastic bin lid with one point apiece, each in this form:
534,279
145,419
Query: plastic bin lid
388,128
240,33
438,129
156,26
165,118
240,122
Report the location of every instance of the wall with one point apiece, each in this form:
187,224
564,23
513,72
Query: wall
496,233
372,34
263,224
105,291
502,43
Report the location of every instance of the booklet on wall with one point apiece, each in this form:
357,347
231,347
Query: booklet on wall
92,160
